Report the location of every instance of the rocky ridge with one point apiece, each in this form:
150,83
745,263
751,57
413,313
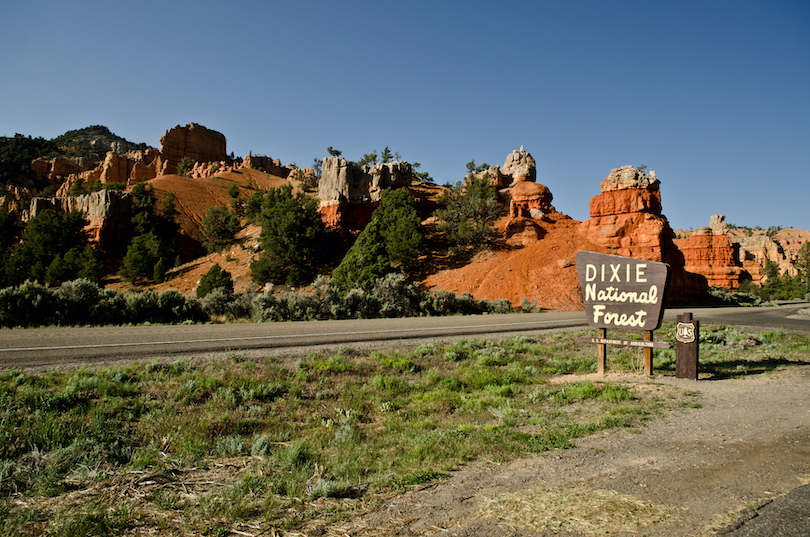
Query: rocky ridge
535,260
750,248
349,193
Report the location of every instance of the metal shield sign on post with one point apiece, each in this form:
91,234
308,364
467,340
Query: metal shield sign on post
622,292
685,332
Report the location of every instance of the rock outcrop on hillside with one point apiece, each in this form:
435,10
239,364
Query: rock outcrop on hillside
349,193
132,167
712,255
194,141
626,219
752,248
108,213
126,165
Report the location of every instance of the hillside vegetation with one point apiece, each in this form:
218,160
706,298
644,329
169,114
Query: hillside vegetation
266,233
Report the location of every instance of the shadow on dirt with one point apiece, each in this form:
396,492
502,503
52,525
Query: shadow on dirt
735,368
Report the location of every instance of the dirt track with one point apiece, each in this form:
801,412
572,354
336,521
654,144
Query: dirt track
688,473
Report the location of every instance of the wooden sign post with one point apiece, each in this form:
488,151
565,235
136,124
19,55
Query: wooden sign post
687,348
626,293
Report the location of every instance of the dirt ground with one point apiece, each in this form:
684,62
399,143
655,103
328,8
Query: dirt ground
689,472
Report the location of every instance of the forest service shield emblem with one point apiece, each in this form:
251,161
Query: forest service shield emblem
685,333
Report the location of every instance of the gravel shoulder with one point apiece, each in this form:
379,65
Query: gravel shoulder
691,472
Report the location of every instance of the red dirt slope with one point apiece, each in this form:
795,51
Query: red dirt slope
543,271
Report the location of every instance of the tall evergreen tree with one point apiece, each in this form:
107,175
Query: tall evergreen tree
49,238
293,238
365,261
392,240
153,247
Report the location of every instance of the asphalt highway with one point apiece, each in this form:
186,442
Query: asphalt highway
41,348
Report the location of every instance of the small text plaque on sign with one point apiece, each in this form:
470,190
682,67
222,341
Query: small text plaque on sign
622,292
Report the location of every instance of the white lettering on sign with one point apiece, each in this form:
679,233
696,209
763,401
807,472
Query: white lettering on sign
622,292
630,276
618,319
613,294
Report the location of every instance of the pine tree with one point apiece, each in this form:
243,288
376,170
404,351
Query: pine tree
214,278
220,226
293,237
469,211
392,240
365,261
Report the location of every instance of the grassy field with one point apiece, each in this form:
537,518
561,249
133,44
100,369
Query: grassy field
242,446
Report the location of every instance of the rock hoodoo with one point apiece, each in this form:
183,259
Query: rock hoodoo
626,220
519,166
527,199
626,217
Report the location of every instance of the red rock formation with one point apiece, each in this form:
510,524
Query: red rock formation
529,200
349,193
132,167
753,248
626,219
108,213
194,141
712,255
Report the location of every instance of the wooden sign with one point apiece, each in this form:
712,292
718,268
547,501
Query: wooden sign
622,292
626,342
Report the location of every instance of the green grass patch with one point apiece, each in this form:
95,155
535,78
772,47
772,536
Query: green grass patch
275,443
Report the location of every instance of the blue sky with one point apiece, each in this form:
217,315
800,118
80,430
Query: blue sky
712,95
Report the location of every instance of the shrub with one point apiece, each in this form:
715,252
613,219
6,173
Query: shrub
220,226
221,302
166,307
79,299
396,296
29,304
215,278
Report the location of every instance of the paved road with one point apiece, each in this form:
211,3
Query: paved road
786,516
54,347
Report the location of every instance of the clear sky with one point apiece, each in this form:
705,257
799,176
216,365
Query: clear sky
714,95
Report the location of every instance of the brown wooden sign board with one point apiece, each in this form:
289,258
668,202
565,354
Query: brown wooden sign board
622,292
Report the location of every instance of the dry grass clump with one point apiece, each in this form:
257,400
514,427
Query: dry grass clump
573,508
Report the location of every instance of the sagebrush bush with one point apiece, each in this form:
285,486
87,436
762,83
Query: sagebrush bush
29,304
83,302
162,307
391,296
396,296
